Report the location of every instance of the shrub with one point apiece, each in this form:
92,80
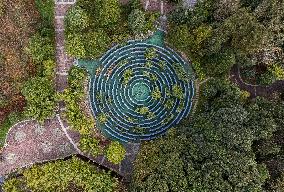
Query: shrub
201,74
142,110
75,46
76,78
136,21
150,53
76,19
40,95
72,96
244,95
49,69
59,175
2,7
96,43
169,104
6,125
40,48
156,94
150,18
115,152
109,13
90,145
180,71
14,185
178,92
102,118
277,71
148,64
127,75
46,10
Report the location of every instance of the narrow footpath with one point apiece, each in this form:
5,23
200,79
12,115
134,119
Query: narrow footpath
255,90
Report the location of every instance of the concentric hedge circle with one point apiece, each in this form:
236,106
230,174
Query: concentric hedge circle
132,97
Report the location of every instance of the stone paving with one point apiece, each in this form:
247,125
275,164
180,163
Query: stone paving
64,62
29,142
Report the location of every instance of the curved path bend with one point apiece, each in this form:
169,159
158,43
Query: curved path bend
255,90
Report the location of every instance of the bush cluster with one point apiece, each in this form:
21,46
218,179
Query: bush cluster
61,176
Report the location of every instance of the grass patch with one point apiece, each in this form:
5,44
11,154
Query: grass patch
12,119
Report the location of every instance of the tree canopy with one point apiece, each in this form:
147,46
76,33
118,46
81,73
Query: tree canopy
214,152
39,93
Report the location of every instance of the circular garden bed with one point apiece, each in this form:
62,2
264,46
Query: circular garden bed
140,90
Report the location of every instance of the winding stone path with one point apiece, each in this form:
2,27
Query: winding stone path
255,90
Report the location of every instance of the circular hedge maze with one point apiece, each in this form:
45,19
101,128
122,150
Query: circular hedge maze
140,90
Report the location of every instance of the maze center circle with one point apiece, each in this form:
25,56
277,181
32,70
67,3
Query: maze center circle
139,91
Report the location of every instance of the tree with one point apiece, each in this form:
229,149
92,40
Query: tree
219,63
150,53
40,48
189,163
209,153
76,19
136,21
109,12
96,43
75,46
59,175
115,152
225,9
40,95
245,33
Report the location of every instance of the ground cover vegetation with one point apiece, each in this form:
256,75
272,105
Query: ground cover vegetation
91,141
27,62
219,34
93,26
71,175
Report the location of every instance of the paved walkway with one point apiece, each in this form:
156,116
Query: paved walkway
28,143
255,90
64,62
158,5
189,4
